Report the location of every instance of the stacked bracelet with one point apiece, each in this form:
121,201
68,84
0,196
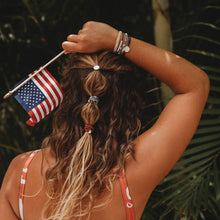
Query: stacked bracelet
117,41
122,43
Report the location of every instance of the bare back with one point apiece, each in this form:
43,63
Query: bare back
35,196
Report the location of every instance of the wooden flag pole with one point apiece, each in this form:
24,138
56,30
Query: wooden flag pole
31,76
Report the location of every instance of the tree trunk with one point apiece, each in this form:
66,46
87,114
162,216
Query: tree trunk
163,37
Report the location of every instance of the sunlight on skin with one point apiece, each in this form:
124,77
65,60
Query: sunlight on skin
168,57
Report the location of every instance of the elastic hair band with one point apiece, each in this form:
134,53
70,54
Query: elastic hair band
96,67
93,98
88,128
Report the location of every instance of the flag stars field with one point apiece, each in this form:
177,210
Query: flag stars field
39,96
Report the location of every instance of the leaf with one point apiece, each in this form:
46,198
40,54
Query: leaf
209,122
213,206
212,111
187,177
192,167
207,25
199,37
199,157
216,78
208,130
206,138
214,89
217,181
210,68
212,100
201,148
204,53
212,7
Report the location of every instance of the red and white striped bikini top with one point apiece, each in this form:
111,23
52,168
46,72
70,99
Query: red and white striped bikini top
122,179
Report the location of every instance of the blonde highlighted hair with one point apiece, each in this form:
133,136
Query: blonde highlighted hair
87,164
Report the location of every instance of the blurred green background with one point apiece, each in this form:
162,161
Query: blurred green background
31,33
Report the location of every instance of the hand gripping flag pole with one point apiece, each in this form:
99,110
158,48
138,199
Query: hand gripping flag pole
38,93
31,76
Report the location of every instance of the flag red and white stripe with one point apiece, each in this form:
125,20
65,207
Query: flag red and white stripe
53,93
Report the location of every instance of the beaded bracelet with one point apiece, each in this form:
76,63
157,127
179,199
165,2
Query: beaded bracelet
117,41
122,43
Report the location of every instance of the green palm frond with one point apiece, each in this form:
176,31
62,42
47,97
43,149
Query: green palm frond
193,187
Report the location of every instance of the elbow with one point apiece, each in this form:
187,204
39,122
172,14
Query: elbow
206,83
203,85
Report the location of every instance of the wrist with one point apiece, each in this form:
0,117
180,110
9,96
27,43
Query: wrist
122,43
112,39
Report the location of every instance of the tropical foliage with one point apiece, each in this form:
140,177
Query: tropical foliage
31,33
192,189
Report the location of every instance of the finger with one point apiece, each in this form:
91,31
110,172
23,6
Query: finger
72,38
70,47
80,31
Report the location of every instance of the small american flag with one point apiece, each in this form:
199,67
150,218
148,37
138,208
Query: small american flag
39,96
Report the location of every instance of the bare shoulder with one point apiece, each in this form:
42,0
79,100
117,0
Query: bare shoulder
9,192
12,176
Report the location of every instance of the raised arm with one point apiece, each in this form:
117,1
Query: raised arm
158,149
181,75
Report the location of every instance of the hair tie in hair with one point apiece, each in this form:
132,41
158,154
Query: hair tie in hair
96,67
89,128
93,98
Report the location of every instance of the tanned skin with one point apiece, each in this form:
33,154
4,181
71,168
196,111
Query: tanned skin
156,150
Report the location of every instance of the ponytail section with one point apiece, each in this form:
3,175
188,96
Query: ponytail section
78,184
95,84
91,140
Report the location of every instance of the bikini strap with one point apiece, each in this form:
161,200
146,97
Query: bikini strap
126,196
23,181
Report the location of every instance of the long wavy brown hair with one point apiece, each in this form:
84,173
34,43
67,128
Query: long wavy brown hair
87,164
